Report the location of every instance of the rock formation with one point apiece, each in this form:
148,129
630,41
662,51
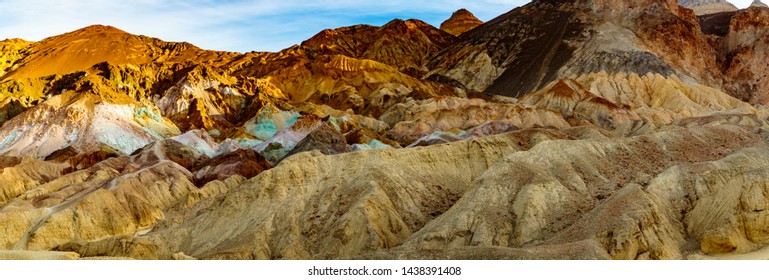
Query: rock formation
460,22
742,39
590,129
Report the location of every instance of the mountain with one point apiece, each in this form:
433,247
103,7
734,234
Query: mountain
704,7
407,45
67,91
460,22
556,39
589,129
80,49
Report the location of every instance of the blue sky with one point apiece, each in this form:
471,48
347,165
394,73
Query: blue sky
231,25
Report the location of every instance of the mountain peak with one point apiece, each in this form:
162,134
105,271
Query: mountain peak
463,13
80,49
758,3
407,24
99,29
460,22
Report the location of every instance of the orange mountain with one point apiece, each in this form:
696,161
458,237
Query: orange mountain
80,49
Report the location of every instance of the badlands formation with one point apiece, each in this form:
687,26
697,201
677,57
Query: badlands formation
588,129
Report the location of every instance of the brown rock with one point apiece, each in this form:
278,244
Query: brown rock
324,139
404,45
558,39
746,47
168,149
247,163
78,161
364,86
460,22
416,119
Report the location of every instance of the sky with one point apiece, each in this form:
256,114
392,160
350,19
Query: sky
230,25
